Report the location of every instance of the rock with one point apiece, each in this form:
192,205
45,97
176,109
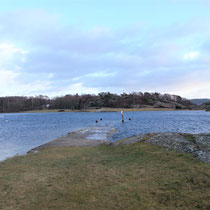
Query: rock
204,156
163,105
172,141
205,106
61,110
203,141
208,109
197,144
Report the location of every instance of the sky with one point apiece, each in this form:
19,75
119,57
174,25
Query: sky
59,47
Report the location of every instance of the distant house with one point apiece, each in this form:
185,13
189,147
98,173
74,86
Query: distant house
45,106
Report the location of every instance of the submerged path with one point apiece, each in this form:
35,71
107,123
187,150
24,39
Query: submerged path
197,144
92,136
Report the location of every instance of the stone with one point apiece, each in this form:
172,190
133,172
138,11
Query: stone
197,144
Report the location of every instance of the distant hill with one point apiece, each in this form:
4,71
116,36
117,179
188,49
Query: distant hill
104,99
205,106
200,101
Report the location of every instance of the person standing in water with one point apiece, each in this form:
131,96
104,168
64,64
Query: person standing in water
122,116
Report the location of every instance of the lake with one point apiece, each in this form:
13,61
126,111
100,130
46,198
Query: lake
21,132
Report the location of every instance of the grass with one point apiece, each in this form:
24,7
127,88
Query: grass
136,176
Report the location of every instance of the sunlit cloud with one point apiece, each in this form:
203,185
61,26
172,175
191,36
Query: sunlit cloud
41,55
191,55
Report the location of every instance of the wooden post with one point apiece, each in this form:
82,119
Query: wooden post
122,116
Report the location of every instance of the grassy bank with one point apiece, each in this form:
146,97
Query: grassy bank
137,176
100,110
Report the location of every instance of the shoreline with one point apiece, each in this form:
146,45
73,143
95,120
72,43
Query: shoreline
102,110
195,144
106,110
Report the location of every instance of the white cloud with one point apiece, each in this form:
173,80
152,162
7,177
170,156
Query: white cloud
7,78
51,75
11,86
75,88
81,89
41,56
12,80
9,49
193,55
101,74
189,90
10,54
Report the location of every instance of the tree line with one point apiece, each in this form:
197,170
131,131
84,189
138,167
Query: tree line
85,101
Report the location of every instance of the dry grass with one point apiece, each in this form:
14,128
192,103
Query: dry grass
137,176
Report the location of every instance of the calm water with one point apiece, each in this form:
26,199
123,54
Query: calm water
22,132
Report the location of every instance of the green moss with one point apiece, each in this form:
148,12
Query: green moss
190,138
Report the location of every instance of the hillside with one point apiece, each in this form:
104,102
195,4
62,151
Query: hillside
200,101
205,106
87,101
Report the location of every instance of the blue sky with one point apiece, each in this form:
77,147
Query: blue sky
87,46
115,13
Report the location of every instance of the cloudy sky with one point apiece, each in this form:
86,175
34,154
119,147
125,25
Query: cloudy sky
58,47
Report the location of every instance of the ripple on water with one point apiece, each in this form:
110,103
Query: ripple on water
25,131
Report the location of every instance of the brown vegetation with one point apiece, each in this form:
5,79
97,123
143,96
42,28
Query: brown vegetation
135,176
87,101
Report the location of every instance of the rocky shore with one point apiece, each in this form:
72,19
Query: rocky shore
197,144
